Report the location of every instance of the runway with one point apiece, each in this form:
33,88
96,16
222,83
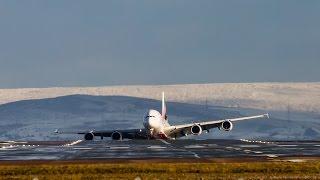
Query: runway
156,149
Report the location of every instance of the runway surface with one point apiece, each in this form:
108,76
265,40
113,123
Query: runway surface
155,149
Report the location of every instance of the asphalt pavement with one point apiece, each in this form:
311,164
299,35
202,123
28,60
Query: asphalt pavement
156,149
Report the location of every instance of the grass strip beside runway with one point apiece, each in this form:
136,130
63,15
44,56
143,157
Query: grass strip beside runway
152,170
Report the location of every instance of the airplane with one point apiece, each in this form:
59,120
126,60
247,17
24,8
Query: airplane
156,126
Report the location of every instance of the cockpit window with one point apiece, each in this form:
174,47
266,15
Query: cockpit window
149,116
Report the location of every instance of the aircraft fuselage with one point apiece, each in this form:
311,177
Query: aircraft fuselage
155,124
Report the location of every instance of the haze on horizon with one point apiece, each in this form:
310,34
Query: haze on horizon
94,43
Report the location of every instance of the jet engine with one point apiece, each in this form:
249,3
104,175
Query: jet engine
89,136
226,125
116,135
196,129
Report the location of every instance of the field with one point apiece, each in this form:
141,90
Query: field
160,170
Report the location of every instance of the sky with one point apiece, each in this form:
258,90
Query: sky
129,42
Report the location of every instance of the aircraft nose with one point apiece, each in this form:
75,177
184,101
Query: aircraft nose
152,123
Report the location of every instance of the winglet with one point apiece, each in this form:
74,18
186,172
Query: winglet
266,115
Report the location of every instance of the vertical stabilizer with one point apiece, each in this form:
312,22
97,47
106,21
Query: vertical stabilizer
164,108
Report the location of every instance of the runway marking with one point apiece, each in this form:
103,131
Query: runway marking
196,155
194,146
15,142
253,141
182,148
73,143
296,160
165,142
258,152
82,148
249,145
287,145
271,155
11,147
156,147
5,143
233,148
211,145
119,147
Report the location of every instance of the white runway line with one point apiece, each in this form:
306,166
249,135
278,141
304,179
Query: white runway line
186,150
296,160
271,155
119,147
5,143
247,150
83,148
253,141
73,143
16,142
249,146
211,145
10,147
233,148
287,145
156,147
196,155
194,146
258,152
165,142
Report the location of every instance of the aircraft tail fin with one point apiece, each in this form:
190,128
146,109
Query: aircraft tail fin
164,108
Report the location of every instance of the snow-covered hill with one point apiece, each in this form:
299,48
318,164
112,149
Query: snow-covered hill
34,113
299,97
37,119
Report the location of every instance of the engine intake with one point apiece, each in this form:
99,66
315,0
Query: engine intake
116,135
196,129
89,136
226,125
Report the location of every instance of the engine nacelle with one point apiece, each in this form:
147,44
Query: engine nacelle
226,125
116,135
89,136
196,129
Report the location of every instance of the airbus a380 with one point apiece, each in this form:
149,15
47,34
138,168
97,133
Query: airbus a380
156,126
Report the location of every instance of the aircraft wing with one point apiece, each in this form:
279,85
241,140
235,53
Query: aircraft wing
126,134
182,130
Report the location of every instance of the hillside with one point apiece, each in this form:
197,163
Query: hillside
37,119
298,97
